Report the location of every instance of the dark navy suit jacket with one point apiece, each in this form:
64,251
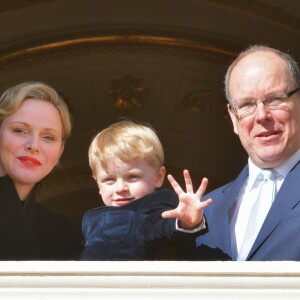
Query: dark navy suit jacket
279,237
132,232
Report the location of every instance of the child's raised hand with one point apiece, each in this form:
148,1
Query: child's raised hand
189,210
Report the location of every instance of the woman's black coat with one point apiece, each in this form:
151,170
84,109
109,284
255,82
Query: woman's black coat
29,231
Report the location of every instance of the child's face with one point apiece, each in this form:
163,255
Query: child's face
125,182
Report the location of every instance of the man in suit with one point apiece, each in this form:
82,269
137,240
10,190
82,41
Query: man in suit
262,89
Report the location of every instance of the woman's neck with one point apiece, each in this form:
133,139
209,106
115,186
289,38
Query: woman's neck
23,190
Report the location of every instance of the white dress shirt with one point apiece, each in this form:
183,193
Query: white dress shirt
240,212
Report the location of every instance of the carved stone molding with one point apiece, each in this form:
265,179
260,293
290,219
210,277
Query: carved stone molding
112,45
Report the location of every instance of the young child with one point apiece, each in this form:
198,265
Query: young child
127,162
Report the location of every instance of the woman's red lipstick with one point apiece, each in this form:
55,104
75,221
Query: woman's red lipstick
29,161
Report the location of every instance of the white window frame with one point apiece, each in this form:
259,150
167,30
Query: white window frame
149,280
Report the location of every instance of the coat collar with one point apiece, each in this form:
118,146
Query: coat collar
220,218
286,199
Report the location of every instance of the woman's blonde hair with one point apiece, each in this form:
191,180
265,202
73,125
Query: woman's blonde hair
13,98
125,140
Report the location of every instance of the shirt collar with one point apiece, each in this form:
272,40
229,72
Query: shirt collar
254,171
287,166
283,169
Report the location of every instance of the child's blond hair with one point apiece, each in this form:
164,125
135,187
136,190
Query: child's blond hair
125,140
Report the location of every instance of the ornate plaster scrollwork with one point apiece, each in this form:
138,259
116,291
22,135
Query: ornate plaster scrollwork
127,93
199,102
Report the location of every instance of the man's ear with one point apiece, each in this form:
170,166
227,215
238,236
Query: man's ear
160,177
234,119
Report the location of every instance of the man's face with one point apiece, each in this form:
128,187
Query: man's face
268,136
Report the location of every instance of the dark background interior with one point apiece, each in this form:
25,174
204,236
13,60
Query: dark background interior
158,61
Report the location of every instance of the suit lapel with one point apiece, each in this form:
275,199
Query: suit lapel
286,199
220,217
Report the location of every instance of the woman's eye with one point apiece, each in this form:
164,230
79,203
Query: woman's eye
19,131
49,138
